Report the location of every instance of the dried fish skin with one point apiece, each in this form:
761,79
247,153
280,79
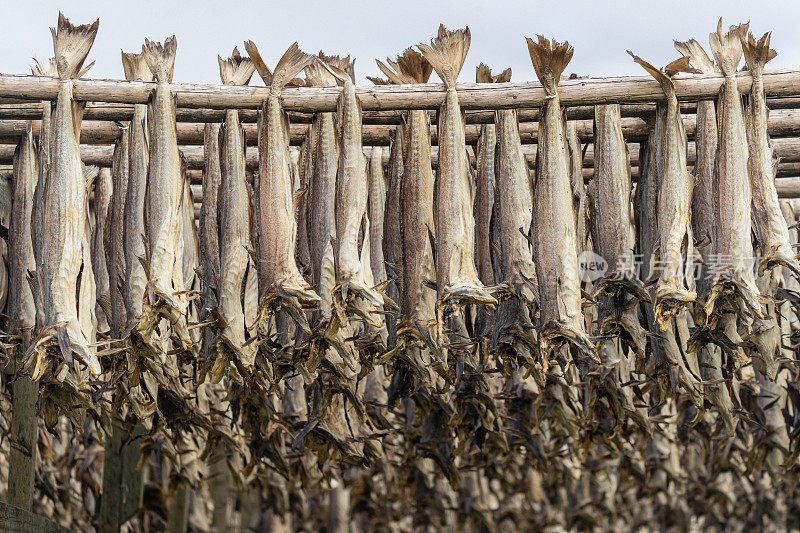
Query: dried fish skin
376,205
733,282
456,275
102,199
209,234
703,221
234,223
555,247
770,226
65,271
115,238
21,303
514,210
279,279
674,262
165,293
135,67
351,195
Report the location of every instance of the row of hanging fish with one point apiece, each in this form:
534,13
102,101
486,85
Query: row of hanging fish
426,346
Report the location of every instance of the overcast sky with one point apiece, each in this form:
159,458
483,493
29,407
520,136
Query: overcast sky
599,31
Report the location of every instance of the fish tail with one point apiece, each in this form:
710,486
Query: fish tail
756,53
161,58
483,74
44,69
319,76
698,58
414,65
727,47
663,77
135,67
447,53
236,70
549,58
72,45
290,64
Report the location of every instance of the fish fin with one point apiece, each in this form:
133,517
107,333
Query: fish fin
72,45
236,70
395,76
698,58
661,77
549,59
161,58
135,67
378,81
319,76
757,53
727,47
258,62
39,69
414,66
483,74
679,65
447,53
290,64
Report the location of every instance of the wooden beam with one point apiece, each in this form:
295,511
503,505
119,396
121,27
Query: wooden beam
782,123
588,91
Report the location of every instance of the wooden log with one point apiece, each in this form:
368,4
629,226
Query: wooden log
21,521
782,123
587,91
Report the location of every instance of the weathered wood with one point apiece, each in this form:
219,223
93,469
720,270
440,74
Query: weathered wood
782,123
587,91
16,520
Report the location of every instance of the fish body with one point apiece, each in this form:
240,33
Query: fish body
135,67
115,237
234,220
164,198
733,279
555,247
675,286
65,272
770,226
456,274
376,205
21,303
102,200
278,274
209,233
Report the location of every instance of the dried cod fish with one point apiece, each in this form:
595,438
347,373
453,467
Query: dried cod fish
555,248
115,238
135,67
281,286
322,193
674,261
102,200
456,276
416,217
734,288
234,224
770,226
165,294
65,270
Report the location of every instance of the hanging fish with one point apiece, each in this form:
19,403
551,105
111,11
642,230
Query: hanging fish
555,248
234,223
65,269
280,282
674,251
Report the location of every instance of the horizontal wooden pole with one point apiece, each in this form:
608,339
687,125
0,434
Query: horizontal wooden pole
587,91
782,123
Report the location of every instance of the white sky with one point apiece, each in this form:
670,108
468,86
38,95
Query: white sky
599,31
